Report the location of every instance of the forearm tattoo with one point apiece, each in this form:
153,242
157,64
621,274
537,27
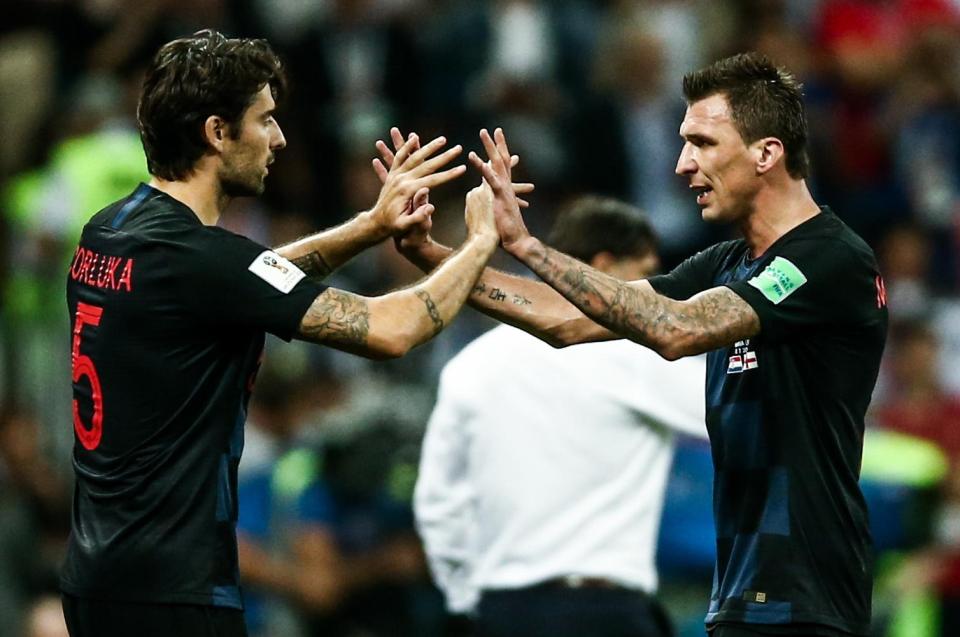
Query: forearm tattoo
313,265
337,317
431,310
707,321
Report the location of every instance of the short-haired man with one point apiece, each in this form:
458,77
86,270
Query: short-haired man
794,318
169,314
541,484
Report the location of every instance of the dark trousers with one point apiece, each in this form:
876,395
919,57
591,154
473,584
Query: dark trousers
94,618
760,630
545,611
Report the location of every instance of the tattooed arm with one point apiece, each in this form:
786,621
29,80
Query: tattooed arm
532,306
320,254
713,318
412,174
389,326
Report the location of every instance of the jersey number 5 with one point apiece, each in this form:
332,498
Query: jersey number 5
83,366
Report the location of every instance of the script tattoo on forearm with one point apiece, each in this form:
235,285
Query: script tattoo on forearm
431,310
337,317
313,265
708,320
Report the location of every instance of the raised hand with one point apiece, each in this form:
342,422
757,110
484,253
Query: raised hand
478,212
412,169
497,173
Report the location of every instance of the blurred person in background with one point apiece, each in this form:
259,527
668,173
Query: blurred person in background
634,120
926,116
916,404
794,318
541,485
169,314
34,517
326,547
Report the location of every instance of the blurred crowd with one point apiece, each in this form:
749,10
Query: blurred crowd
588,92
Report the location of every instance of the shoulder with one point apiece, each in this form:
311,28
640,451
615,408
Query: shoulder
833,245
719,252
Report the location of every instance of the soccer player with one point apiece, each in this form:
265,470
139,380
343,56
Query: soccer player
169,314
793,315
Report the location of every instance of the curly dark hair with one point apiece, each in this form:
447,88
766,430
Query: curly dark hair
191,79
765,100
592,224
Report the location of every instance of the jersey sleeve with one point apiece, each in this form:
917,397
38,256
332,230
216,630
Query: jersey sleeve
230,280
811,284
692,276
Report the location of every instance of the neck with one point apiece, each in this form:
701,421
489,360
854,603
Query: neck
200,191
777,210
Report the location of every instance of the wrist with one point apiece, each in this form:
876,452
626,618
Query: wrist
522,249
485,240
370,226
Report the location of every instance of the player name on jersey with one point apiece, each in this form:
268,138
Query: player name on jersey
102,270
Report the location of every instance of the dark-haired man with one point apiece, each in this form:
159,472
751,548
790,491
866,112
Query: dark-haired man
793,316
539,510
169,314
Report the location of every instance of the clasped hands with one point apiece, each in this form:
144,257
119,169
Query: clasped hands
408,172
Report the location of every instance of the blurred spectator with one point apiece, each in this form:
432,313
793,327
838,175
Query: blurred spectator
862,43
927,118
633,125
325,532
34,518
904,257
918,405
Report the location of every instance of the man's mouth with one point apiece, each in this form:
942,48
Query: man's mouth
702,193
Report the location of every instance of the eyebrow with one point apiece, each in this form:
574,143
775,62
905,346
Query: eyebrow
701,138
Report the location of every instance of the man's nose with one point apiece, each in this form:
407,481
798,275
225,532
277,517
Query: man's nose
280,141
685,163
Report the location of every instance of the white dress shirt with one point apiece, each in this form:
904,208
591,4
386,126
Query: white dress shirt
541,463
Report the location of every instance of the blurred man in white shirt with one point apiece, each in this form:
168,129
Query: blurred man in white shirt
543,471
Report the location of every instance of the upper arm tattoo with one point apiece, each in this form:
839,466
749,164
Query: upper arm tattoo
337,317
313,265
432,310
711,319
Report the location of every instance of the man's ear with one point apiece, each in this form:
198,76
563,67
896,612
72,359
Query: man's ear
602,261
769,153
215,131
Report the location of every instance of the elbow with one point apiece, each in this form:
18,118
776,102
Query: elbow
392,345
556,341
566,333
669,353
677,348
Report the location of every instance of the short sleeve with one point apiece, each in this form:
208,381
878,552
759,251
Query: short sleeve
811,284
230,280
692,276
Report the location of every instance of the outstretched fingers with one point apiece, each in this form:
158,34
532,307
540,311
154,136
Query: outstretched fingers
436,179
493,154
405,151
489,175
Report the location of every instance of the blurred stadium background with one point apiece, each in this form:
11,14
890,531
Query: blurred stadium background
588,92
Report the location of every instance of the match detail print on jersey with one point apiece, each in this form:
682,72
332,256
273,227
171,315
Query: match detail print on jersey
778,280
277,271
